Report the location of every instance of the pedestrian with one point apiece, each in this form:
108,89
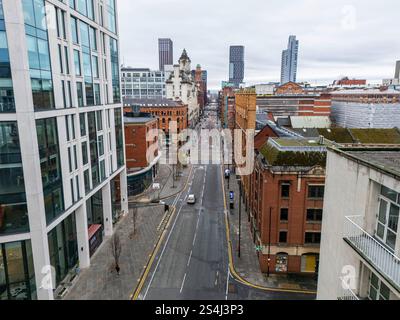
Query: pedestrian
117,268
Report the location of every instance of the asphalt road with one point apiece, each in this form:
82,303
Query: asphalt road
192,263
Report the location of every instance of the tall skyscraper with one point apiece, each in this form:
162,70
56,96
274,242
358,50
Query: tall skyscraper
289,61
236,65
165,52
397,73
62,153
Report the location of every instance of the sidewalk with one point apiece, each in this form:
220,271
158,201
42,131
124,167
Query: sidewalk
100,281
169,187
247,266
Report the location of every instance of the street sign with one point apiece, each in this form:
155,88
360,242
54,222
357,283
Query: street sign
156,186
231,195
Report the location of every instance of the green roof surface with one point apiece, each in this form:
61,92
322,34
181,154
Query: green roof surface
339,135
376,136
276,157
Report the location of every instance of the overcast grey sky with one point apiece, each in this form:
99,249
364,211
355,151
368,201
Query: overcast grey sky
356,38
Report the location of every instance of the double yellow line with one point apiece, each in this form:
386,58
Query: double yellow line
153,255
230,254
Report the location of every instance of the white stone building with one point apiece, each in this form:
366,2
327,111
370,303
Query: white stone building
181,86
360,246
62,148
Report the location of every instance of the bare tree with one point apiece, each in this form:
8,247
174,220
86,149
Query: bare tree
116,250
134,220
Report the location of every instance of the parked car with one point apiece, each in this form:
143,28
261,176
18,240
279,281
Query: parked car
191,199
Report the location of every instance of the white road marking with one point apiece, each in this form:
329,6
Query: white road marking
162,253
227,284
183,282
190,258
194,240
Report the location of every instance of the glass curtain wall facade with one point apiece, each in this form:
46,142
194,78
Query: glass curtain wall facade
77,149
13,209
38,54
6,86
16,271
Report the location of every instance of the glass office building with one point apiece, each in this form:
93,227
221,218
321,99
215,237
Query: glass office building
61,140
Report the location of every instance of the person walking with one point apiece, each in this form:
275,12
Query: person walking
117,268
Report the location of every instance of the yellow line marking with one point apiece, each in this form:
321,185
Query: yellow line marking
147,268
230,250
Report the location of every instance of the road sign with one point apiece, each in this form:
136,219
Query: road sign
156,186
231,195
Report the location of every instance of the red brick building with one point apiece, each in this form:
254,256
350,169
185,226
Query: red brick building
201,85
291,99
165,110
286,201
137,133
142,154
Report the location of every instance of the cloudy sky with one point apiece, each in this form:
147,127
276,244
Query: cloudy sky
355,38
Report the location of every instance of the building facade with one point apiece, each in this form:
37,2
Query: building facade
61,141
371,108
286,201
181,86
291,99
360,246
289,61
165,52
142,83
236,65
165,110
142,155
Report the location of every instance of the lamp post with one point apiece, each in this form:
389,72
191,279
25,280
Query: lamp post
269,241
240,217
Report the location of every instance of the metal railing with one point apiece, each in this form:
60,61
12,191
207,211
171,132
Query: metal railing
371,249
347,294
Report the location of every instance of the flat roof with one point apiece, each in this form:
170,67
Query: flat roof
383,159
138,119
160,102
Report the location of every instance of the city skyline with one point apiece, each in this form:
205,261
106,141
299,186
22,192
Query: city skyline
344,39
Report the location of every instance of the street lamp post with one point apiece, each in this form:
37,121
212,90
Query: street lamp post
240,217
269,240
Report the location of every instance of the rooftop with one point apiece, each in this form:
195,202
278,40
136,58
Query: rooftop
353,136
385,159
152,102
295,153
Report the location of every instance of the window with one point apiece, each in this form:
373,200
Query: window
283,237
13,208
79,91
314,214
313,238
50,167
377,289
77,62
285,190
388,217
284,214
85,153
74,30
82,120
17,275
316,192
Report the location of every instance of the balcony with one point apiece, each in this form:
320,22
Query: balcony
372,251
347,294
